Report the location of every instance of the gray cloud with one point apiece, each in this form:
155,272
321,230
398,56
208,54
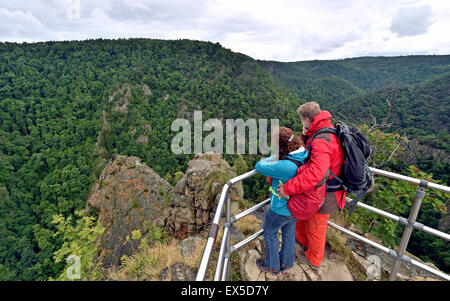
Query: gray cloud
37,20
154,10
412,21
286,30
19,23
324,43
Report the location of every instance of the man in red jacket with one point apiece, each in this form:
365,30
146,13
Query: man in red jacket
326,156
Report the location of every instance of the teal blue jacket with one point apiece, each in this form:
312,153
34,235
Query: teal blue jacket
281,171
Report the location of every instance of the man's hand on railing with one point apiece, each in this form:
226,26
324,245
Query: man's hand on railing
281,192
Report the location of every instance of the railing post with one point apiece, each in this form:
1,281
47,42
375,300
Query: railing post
212,235
227,241
418,197
220,259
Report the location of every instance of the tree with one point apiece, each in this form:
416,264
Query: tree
79,242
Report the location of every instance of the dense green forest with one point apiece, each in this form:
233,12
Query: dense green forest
67,107
55,97
366,73
418,111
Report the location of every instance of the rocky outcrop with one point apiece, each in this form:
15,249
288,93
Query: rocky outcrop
386,262
331,268
146,90
190,245
178,272
121,98
196,195
127,197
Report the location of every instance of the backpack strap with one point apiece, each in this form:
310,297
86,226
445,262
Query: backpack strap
298,163
336,183
355,200
321,131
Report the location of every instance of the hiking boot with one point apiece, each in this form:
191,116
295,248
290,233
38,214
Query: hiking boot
261,263
284,269
302,259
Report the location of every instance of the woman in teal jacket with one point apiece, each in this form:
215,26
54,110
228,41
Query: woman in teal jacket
280,169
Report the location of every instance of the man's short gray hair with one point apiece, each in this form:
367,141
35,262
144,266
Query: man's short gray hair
309,110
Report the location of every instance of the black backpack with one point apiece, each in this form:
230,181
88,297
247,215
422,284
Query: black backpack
355,176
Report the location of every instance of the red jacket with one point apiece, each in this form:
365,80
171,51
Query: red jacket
307,189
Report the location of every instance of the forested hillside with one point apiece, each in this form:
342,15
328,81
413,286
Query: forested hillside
366,73
420,111
67,107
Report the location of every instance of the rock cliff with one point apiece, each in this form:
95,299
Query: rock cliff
127,197
196,195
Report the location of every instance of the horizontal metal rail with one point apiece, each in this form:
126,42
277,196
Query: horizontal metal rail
243,176
403,221
390,252
226,250
418,182
246,241
249,211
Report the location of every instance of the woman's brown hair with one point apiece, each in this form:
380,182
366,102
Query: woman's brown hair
284,145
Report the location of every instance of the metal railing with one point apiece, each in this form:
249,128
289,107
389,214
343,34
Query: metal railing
223,261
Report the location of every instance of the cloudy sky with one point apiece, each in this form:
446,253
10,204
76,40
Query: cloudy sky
283,30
